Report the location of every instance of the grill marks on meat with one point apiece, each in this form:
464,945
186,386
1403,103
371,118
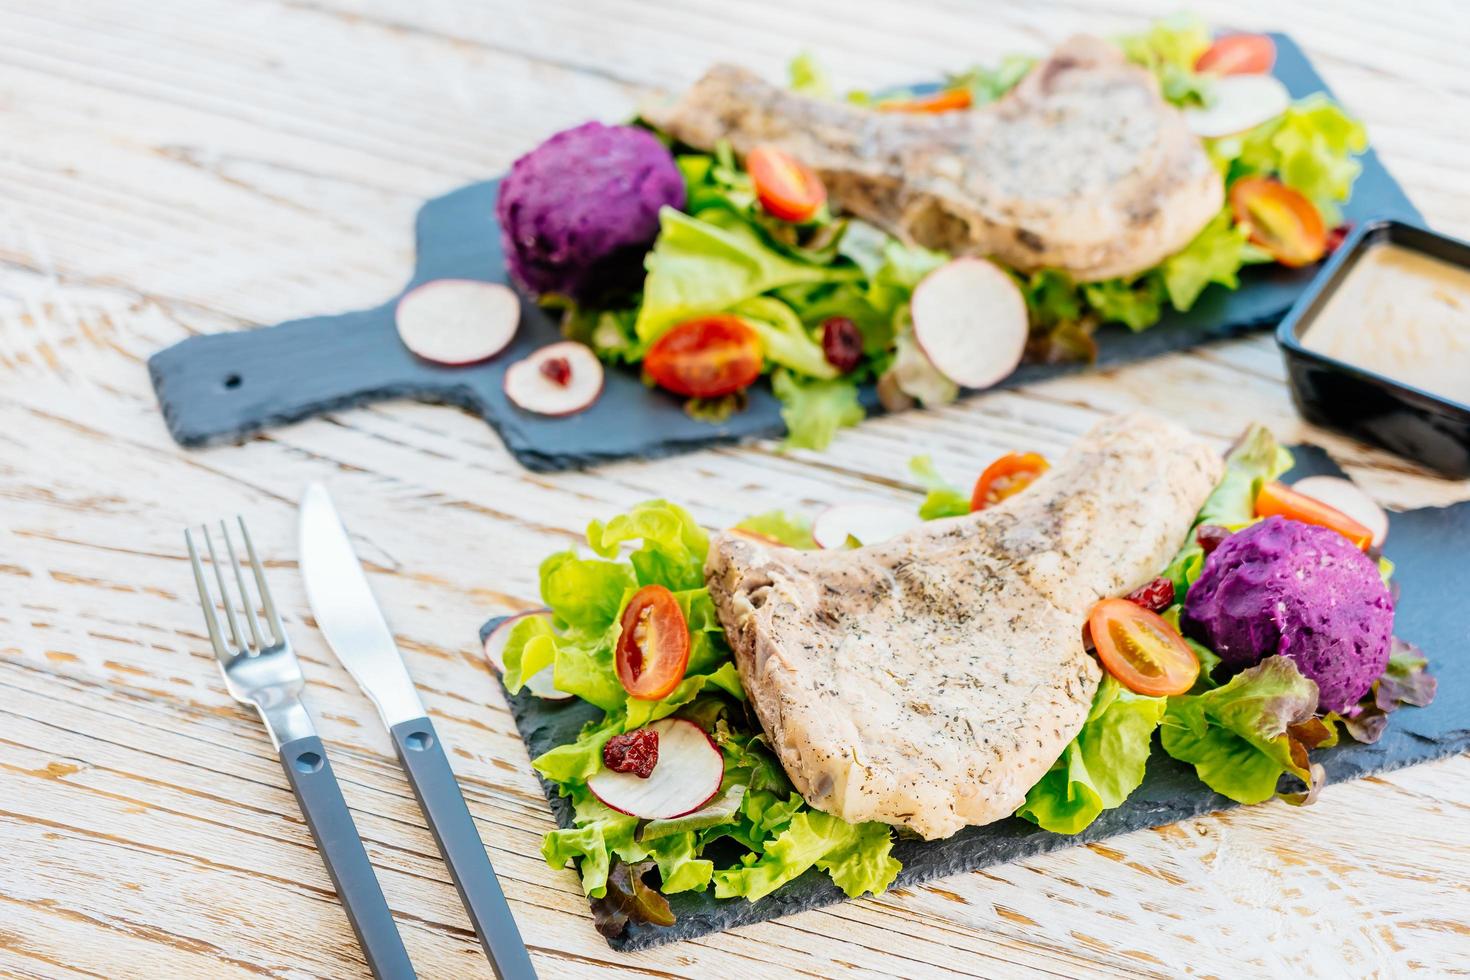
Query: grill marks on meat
931,680
1082,167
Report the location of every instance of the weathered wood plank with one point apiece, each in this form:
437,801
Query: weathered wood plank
197,167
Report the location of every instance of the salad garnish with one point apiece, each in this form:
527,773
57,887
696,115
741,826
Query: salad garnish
826,301
676,778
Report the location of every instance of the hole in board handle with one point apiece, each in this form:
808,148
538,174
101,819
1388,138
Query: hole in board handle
231,382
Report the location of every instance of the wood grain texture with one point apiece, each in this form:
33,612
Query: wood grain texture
177,168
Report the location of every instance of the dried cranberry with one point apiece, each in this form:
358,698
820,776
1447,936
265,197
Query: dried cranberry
635,752
842,343
1210,536
558,369
1156,596
1336,236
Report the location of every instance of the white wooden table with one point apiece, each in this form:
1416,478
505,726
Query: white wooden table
181,167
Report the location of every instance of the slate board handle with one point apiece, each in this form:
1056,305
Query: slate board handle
227,386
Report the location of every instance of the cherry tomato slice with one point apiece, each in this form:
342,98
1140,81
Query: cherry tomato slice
786,187
653,647
1238,54
947,100
1143,652
706,357
1280,500
1280,220
1006,477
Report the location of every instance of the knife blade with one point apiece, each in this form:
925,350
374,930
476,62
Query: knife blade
348,615
353,623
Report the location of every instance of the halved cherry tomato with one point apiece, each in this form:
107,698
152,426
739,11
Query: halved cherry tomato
1006,477
1279,219
786,187
1280,500
653,647
947,100
706,357
1143,652
1238,54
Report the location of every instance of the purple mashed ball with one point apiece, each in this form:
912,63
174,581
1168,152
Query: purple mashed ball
578,213
1281,586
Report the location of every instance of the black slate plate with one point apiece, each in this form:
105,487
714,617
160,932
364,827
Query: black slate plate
1429,548
224,387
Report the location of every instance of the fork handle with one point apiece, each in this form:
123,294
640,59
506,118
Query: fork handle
306,765
422,754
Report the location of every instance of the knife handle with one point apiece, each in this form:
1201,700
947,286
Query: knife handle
306,765
422,755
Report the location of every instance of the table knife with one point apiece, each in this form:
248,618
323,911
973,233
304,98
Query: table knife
353,624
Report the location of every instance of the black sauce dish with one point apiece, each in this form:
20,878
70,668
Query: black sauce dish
1403,419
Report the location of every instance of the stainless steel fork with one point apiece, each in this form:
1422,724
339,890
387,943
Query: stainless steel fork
261,670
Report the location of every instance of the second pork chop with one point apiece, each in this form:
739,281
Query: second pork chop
931,680
1083,167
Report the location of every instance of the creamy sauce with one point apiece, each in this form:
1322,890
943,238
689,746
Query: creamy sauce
1402,314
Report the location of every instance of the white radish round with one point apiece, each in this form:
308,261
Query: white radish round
970,320
866,523
1238,103
559,379
539,683
1348,497
685,778
457,321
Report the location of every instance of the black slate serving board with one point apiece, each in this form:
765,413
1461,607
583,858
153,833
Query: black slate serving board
1429,548
225,387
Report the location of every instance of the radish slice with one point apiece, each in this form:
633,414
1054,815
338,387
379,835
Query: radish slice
970,319
1238,103
1348,497
686,777
539,683
868,523
457,321
561,379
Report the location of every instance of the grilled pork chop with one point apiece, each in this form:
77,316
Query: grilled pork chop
1082,167
931,680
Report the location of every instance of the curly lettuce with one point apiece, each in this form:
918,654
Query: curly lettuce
1244,736
657,542
1101,766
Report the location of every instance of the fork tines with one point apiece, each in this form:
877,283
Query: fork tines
239,644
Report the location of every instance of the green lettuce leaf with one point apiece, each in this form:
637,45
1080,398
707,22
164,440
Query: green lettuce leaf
599,833
707,264
672,552
784,338
805,77
726,678
892,284
1311,147
1256,459
679,866
1101,766
1244,736
943,499
792,530
1214,255
988,84
1137,305
1169,49
857,856
815,409
723,809
584,593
